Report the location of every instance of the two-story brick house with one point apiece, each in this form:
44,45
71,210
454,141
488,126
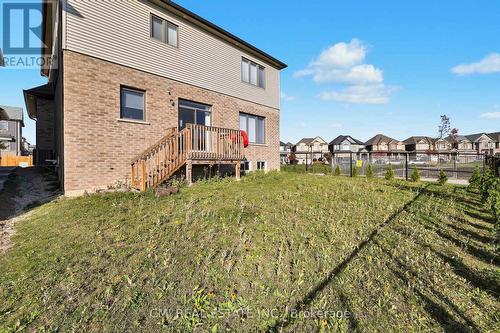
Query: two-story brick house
308,150
344,145
482,143
383,146
128,76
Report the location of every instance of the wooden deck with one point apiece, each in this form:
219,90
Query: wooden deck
195,144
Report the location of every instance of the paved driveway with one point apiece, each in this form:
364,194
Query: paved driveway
4,174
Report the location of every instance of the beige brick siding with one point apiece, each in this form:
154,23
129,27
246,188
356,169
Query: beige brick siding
98,148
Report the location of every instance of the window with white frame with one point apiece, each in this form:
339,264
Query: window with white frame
164,31
131,104
4,125
261,165
252,73
254,126
246,166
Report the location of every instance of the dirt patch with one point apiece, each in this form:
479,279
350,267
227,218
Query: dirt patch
24,190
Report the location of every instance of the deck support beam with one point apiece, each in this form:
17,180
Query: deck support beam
237,168
189,172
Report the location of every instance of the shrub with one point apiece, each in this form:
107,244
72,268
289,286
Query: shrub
475,179
369,171
442,178
415,175
355,171
389,175
337,171
487,181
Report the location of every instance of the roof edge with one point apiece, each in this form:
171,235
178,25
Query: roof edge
203,23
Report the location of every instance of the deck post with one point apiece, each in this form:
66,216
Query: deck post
189,172
143,175
237,167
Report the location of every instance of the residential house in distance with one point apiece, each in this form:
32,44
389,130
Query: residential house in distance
442,145
309,150
285,150
496,137
344,145
419,146
11,125
382,146
482,143
163,92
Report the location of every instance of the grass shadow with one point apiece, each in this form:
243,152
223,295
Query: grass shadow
313,293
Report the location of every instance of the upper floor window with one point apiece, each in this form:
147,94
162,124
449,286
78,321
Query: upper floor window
4,125
164,31
252,73
131,104
254,126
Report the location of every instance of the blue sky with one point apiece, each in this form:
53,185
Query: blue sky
362,67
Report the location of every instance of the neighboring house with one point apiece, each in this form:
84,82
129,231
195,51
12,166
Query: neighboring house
496,137
308,150
344,145
11,125
419,144
482,143
134,74
460,144
383,146
442,145
285,150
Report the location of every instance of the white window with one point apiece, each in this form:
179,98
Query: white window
261,165
254,126
246,166
252,73
4,125
164,31
131,104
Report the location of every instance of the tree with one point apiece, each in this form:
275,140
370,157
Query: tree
355,171
444,127
337,171
475,179
442,178
328,157
454,136
369,171
415,175
292,158
389,175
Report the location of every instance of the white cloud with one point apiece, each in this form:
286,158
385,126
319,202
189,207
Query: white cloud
287,98
491,115
489,64
343,63
360,94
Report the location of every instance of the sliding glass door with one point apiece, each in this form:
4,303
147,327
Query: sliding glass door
194,113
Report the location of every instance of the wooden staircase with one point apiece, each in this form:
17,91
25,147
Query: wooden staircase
195,144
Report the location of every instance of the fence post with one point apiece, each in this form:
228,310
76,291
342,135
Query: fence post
350,163
406,166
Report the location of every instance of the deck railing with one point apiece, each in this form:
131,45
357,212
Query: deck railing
193,144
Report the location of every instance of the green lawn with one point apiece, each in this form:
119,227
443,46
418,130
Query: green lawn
282,251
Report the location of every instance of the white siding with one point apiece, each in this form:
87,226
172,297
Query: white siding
119,31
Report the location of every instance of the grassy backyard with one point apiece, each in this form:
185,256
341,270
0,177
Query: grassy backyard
282,251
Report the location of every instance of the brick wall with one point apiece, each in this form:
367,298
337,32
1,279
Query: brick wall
98,147
45,124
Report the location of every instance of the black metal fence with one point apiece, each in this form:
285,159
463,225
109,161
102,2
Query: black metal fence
459,166
493,162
